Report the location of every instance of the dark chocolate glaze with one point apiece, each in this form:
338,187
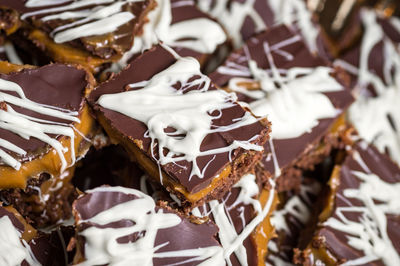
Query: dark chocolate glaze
336,241
287,150
149,64
104,46
186,235
56,85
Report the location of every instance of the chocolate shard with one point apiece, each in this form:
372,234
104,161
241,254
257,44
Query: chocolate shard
204,140
243,219
142,232
82,32
275,75
360,212
172,22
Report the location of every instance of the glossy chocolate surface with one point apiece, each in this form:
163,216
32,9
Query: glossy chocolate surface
337,241
149,64
56,85
185,235
104,46
287,150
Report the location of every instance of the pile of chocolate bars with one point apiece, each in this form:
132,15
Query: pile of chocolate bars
199,132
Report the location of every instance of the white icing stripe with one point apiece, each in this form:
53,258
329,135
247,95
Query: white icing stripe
342,14
205,39
369,233
231,241
287,95
159,105
13,250
12,55
27,127
98,19
102,247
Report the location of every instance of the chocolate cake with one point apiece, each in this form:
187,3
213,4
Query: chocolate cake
275,75
223,140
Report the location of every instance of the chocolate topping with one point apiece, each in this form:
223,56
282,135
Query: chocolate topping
105,45
336,241
151,63
287,150
186,235
56,85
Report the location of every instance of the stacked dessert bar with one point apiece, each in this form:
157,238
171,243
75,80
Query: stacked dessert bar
183,132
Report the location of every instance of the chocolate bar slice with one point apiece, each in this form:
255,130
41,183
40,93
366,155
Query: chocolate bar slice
303,97
45,121
45,127
292,215
360,222
182,26
116,224
245,19
194,139
85,32
243,219
374,65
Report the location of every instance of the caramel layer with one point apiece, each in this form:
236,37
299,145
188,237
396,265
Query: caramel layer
50,162
264,231
65,53
29,232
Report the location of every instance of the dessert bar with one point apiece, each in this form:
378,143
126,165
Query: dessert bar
90,33
150,234
360,223
193,138
275,75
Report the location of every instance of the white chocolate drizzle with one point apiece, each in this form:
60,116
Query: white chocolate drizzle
14,250
91,17
231,241
205,39
288,12
293,99
12,56
369,234
159,105
102,246
377,121
28,127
